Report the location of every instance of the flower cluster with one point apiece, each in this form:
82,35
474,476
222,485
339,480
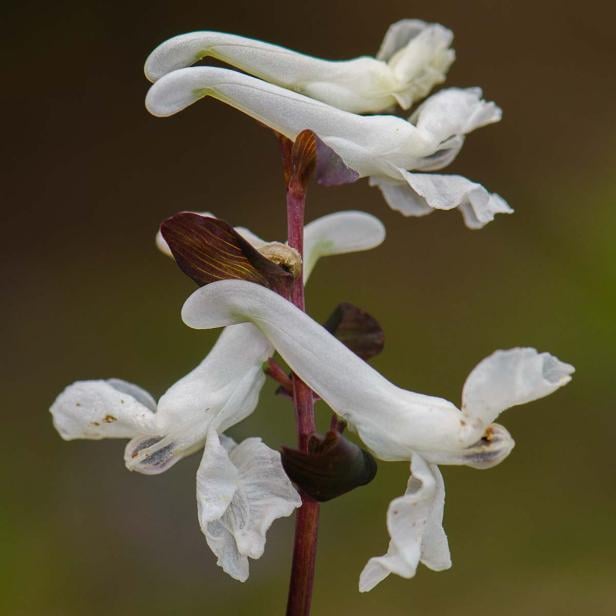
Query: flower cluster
246,287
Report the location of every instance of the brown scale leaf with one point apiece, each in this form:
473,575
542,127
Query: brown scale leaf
332,467
208,249
356,329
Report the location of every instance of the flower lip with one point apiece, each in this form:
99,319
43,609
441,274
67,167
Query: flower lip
491,449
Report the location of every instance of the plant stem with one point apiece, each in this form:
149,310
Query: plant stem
274,371
307,518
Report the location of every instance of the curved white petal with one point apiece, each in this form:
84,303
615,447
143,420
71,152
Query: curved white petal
153,455
217,479
393,422
398,36
401,197
490,450
220,392
241,490
250,237
138,393
103,409
454,112
360,85
512,377
223,389
447,192
367,144
418,59
419,55
415,525
383,148
340,233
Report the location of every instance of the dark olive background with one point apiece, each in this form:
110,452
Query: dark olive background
88,177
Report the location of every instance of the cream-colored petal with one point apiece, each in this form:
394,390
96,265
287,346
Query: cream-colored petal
512,377
414,522
241,490
447,192
340,233
455,112
417,59
103,409
366,144
419,55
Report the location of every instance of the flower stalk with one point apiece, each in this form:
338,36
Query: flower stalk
298,163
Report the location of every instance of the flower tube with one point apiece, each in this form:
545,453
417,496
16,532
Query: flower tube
414,57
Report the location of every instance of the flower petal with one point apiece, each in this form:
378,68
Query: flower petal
391,421
360,85
446,192
361,141
398,36
490,450
217,480
241,490
454,112
414,522
152,455
340,233
265,494
103,409
221,541
418,54
512,377
401,197
222,391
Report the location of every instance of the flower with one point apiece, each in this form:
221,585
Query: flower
383,148
217,394
394,423
413,58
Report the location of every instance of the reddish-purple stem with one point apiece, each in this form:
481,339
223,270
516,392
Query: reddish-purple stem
274,370
307,518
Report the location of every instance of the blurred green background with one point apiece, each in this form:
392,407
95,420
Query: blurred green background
88,177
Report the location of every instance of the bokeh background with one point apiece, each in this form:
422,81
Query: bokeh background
88,177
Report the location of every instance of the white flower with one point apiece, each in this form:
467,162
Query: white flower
414,57
394,423
383,148
220,392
